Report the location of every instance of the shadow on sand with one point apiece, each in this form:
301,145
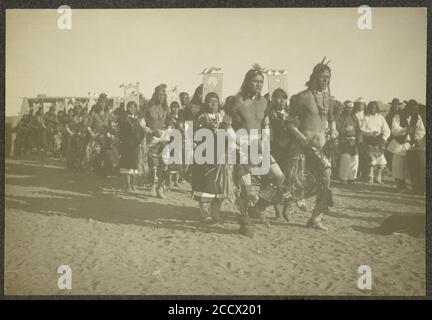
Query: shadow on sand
412,225
80,195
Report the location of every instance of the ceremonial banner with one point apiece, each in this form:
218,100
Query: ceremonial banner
91,100
25,106
67,103
212,82
130,93
116,102
277,79
172,95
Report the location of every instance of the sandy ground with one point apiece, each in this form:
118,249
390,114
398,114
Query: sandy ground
134,244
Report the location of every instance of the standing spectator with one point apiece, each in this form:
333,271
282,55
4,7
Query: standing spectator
349,132
408,130
359,106
395,107
375,132
131,133
184,99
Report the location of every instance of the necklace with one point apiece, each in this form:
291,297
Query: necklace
322,107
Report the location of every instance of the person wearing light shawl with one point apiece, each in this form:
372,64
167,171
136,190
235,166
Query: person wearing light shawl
408,131
310,117
395,107
375,132
349,131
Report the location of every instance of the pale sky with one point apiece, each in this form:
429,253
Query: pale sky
108,47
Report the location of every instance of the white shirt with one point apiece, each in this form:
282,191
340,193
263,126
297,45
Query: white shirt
360,116
373,123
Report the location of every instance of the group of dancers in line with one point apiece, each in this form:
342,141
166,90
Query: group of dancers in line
130,140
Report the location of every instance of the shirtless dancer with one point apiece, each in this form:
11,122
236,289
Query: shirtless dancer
310,120
155,116
248,110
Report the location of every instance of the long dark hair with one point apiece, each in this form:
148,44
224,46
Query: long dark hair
319,68
244,89
153,99
367,110
132,103
195,99
411,110
207,99
278,92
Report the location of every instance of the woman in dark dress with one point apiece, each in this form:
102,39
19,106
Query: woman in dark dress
210,181
131,133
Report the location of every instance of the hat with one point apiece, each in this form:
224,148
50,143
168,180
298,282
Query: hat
411,102
348,104
395,101
102,97
360,100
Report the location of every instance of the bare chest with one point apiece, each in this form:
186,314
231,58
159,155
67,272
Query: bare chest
251,113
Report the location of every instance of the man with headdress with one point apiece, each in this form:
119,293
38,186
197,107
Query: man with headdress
248,110
310,118
156,116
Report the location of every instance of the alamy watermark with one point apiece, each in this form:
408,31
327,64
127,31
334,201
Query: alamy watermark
250,147
364,282
65,280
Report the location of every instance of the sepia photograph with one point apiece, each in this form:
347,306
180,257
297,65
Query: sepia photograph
215,152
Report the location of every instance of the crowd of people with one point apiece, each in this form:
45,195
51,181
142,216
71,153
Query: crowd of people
314,138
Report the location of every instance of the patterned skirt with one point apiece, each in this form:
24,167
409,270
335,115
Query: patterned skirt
211,181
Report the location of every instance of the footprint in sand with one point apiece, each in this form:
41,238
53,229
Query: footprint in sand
329,286
95,284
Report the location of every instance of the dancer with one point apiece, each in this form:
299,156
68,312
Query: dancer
311,122
248,110
156,117
210,182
